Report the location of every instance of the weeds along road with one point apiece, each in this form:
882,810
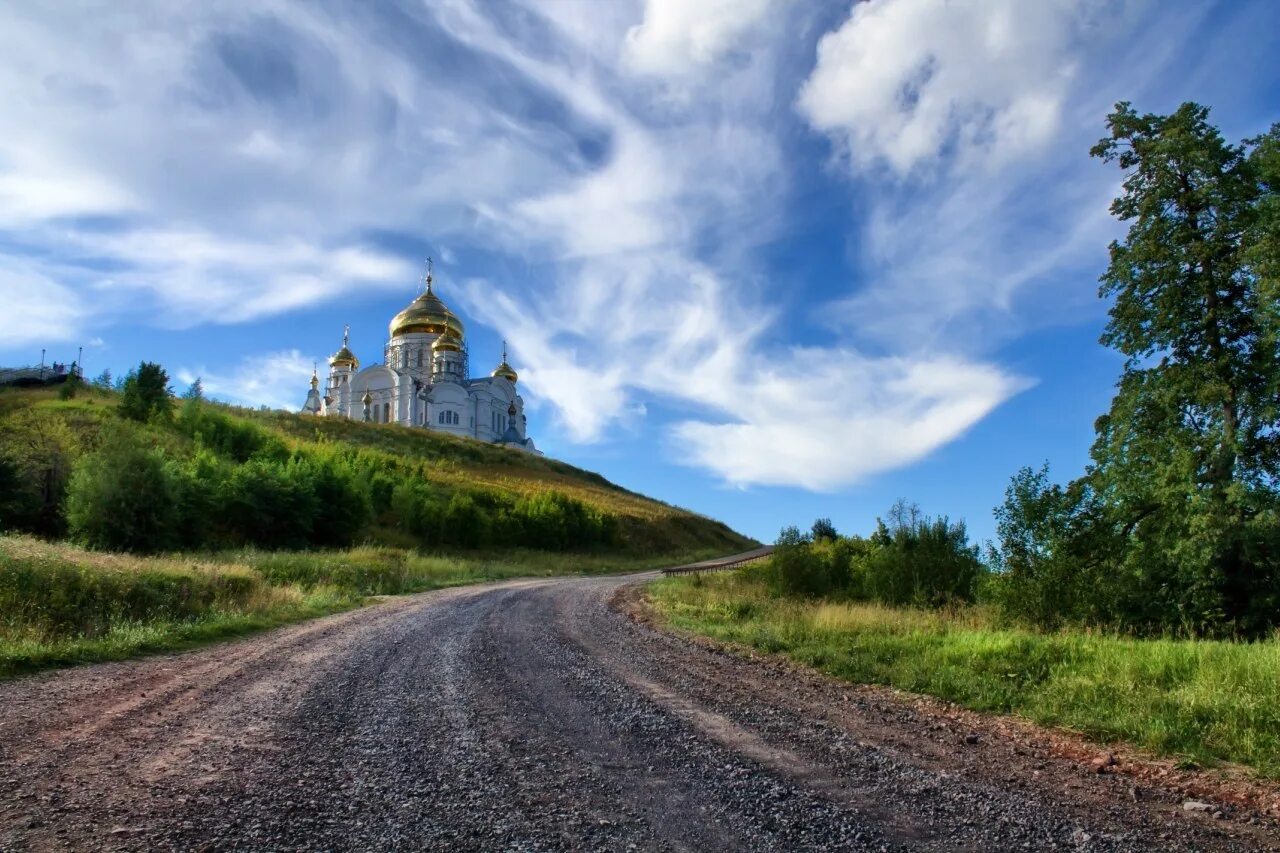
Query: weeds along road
527,715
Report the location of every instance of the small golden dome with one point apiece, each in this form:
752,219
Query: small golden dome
344,358
428,314
505,370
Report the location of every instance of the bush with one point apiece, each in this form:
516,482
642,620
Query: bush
268,505
912,560
123,498
811,568
921,561
223,434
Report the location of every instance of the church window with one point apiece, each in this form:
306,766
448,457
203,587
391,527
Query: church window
386,413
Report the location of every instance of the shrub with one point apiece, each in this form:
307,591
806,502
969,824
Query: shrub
268,505
921,561
221,433
123,497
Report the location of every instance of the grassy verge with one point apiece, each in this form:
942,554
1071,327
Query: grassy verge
1204,701
61,605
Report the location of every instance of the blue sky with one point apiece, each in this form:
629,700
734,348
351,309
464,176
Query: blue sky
766,260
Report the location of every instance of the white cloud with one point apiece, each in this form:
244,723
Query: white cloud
846,418
37,309
275,379
678,36
902,81
965,129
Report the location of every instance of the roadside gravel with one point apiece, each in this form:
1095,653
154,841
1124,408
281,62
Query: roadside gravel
532,715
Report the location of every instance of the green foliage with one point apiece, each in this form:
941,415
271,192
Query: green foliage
1176,524
921,561
232,478
913,560
123,497
823,529
1052,566
225,435
145,394
104,382
36,458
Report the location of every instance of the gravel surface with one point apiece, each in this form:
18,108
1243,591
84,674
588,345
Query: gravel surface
533,715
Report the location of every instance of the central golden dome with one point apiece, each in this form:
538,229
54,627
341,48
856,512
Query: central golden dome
426,314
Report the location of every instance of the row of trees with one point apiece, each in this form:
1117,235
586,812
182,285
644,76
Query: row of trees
1175,524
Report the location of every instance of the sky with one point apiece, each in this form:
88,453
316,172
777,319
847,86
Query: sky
770,261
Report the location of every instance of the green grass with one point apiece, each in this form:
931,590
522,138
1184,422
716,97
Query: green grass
644,526
1206,701
61,605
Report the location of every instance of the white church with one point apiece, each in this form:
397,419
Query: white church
424,381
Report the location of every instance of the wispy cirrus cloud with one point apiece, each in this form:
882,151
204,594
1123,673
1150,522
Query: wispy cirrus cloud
223,163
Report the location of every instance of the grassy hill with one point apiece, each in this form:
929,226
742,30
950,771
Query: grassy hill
45,438
119,537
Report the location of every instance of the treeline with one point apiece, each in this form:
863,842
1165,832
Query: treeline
910,559
1174,527
200,478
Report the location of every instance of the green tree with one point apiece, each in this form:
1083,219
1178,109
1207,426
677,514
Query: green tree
195,391
123,497
823,529
1186,461
104,382
41,450
145,394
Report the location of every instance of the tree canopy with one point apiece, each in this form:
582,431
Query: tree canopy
1175,521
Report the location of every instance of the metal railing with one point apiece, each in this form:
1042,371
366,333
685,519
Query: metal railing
722,564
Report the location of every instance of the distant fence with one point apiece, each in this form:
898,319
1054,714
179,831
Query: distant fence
42,375
722,564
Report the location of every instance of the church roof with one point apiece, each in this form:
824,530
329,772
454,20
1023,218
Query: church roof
427,313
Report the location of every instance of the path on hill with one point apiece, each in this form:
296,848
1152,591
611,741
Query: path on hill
531,715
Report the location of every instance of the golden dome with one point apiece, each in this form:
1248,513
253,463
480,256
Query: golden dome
505,370
427,314
345,357
447,341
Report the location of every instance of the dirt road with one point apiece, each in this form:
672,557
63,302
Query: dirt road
532,715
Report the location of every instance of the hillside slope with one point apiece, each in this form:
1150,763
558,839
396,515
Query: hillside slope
404,487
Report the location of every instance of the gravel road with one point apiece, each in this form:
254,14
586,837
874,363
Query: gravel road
537,715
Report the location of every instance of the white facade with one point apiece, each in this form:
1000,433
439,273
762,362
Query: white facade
423,382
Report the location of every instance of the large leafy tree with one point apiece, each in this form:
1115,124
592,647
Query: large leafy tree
1186,460
1175,524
